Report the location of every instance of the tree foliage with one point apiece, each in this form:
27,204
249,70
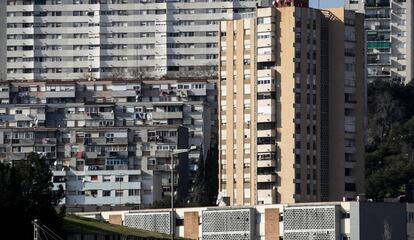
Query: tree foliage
205,186
211,175
27,194
199,196
390,145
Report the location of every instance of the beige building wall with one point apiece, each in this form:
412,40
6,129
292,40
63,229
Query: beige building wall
272,226
286,112
191,225
237,115
347,106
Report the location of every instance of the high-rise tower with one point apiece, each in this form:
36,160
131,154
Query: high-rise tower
291,106
389,38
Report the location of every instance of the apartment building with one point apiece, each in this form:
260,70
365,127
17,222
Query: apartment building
291,106
92,132
389,38
98,39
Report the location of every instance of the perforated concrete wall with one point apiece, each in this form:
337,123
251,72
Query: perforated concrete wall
228,224
153,221
311,223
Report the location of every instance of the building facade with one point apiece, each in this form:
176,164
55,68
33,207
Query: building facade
389,38
99,39
291,106
92,132
331,220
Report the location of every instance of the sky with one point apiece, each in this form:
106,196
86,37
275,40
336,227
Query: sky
327,3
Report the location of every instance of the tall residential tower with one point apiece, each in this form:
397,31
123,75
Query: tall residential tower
389,38
291,106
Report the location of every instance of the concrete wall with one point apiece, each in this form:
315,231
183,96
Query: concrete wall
191,222
357,220
373,221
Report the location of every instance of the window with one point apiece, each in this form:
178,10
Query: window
347,172
264,35
94,193
350,187
133,192
264,20
264,50
119,179
297,188
106,178
119,193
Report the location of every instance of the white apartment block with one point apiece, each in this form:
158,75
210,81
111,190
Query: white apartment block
389,36
100,188
97,39
93,132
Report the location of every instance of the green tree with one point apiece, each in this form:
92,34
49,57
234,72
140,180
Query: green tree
199,195
211,175
384,110
27,194
390,165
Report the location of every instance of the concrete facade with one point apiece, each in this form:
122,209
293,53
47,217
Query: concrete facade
291,106
67,39
99,134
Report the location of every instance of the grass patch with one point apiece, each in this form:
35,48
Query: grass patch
79,225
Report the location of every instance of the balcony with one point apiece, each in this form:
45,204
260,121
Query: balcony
377,4
268,196
112,185
266,73
46,141
376,61
263,118
197,92
379,45
167,115
23,117
165,168
266,148
271,87
381,27
266,178
266,163
379,71
266,57
126,93
266,133
60,94
4,95
25,141
266,27
91,155
268,42
378,16
162,154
